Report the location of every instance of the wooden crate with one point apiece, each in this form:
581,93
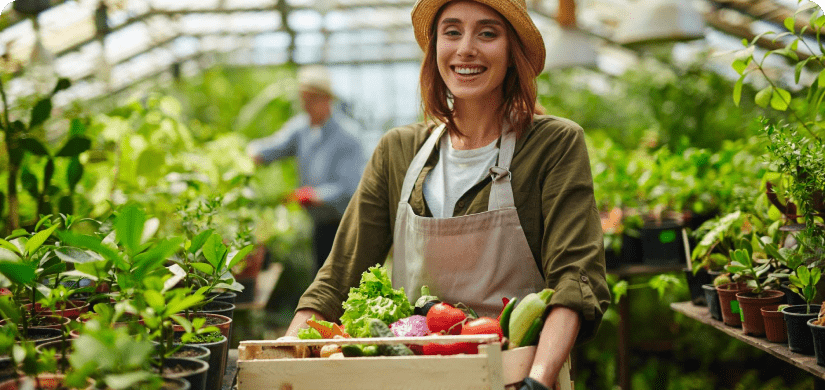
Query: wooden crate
286,365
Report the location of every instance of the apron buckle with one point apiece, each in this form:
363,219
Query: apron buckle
498,173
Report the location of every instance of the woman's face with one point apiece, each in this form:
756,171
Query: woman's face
472,50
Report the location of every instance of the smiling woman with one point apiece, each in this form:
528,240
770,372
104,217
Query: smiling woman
484,199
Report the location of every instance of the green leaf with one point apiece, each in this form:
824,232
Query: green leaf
74,171
62,84
74,146
129,228
154,258
38,239
42,110
739,66
619,290
154,299
203,267
780,99
803,273
88,242
790,23
199,240
212,249
77,128
240,256
18,272
187,326
737,90
34,147
29,182
74,255
179,305
129,380
763,97
10,246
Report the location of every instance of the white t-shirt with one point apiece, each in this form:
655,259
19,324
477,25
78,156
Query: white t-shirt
455,173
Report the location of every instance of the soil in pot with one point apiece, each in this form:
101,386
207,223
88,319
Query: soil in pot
775,330
695,283
751,306
800,339
43,335
46,382
217,360
193,370
175,384
731,314
223,323
712,300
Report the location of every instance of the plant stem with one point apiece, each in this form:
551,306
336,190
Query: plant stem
11,138
805,125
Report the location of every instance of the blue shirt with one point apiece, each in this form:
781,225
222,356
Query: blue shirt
330,159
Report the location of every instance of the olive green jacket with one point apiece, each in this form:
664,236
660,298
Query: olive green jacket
553,191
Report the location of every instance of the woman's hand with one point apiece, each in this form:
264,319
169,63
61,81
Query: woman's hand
300,321
557,338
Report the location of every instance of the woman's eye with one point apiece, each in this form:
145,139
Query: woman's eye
452,33
489,34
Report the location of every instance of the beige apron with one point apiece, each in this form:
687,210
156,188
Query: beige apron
475,259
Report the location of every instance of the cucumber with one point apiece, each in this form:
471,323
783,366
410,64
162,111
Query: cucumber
504,321
370,350
352,350
531,307
532,335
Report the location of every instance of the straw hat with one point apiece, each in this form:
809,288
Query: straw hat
515,11
315,78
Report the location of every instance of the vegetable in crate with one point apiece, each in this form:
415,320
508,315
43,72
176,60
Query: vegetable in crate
481,325
315,329
374,298
425,301
443,317
379,329
412,326
524,315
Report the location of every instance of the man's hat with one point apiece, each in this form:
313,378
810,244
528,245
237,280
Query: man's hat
315,78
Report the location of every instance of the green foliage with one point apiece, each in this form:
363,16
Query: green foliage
374,298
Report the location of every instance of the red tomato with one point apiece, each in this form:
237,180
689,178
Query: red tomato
481,325
447,349
443,316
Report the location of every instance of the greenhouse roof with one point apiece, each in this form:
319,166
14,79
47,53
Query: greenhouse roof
144,39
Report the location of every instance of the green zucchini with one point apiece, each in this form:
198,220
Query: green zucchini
352,350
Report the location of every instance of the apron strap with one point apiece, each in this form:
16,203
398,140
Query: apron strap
501,192
419,161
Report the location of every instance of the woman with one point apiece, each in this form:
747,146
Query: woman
489,201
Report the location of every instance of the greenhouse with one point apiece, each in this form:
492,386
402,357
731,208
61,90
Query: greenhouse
412,194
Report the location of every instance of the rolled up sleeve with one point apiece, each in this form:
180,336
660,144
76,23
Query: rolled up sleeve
572,244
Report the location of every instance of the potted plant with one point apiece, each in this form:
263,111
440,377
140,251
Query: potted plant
817,326
774,319
800,338
712,296
751,302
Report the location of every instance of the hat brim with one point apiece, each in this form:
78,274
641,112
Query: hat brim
424,12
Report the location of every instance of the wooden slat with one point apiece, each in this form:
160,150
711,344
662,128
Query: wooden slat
779,350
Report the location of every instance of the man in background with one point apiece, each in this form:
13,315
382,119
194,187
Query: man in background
329,156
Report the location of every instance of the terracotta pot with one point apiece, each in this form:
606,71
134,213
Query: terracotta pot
800,339
751,304
51,322
71,310
731,314
775,330
224,326
46,381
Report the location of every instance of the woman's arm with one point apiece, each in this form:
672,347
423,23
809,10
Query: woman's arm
299,321
557,338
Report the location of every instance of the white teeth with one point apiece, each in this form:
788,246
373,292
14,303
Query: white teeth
462,70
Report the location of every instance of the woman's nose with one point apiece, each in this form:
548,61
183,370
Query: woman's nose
466,47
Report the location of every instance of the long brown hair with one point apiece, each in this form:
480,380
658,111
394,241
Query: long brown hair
518,86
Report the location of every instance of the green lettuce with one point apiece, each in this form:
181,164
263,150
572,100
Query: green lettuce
311,333
374,298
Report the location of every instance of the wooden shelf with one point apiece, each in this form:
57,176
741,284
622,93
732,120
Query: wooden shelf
779,350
